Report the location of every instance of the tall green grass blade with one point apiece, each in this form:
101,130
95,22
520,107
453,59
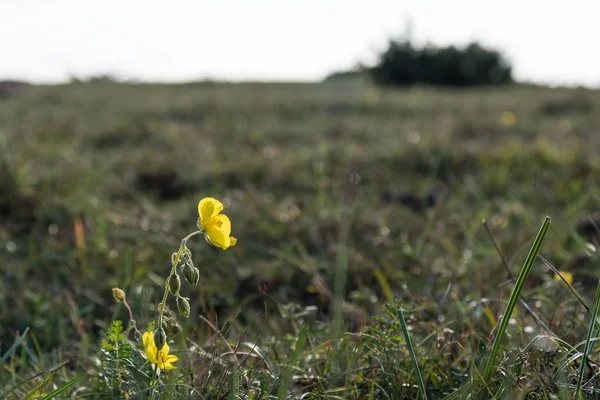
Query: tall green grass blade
17,386
63,388
459,393
506,264
51,372
587,347
413,353
13,347
287,377
512,301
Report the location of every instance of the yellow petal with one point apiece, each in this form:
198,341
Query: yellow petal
166,359
217,237
208,208
165,350
149,346
168,364
223,223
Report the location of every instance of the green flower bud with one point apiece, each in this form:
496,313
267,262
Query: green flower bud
188,273
175,329
183,306
196,276
118,294
175,284
160,338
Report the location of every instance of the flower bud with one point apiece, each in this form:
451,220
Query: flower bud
188,273
160,338
183,306
175,329
196,276
118,294
165,325
174,284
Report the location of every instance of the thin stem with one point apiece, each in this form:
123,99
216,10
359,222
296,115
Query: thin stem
173,272
132,323
161,308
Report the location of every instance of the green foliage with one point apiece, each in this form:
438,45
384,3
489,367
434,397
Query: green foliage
404,64
119,365
100,182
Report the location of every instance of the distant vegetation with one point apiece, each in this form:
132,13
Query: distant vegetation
361,252
403,63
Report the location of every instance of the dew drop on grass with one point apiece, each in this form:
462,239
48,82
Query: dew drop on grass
53,229
413,137
11,246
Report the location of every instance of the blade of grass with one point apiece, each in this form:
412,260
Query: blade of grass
63,388
16,387
506,264
13,347
571,288
287,376
587,346
413,353
512,301
38,388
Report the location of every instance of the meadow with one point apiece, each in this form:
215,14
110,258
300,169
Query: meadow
375,229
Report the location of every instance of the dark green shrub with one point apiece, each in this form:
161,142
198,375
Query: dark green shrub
404,64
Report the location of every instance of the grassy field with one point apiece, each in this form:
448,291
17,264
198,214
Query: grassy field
348,202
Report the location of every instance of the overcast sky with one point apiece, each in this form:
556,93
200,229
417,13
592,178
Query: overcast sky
47,41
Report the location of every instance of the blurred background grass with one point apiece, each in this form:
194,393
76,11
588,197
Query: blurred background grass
100,181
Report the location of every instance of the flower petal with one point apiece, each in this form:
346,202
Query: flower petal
217,237
165,359
232,241
168,364
165,350
208,208
223,223
149,346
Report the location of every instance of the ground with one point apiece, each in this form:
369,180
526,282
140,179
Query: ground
332,188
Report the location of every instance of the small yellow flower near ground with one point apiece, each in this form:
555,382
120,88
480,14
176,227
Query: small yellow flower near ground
216,226
162,358
567,275
508,118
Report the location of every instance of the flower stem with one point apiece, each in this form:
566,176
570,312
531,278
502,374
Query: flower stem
173,272
166,293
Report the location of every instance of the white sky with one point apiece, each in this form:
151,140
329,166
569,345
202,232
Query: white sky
552,41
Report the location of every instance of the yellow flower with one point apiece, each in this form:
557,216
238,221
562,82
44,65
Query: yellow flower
216,226
162,358
567,275
508,118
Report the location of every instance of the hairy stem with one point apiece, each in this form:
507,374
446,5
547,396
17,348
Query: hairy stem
173,271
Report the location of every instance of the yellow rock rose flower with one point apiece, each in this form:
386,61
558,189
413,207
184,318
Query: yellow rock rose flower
160,358
216,226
